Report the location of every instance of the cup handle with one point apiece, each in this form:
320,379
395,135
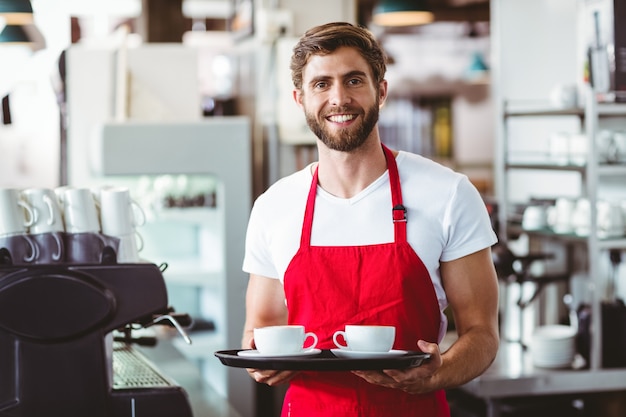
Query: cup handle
48,201
31,214
140,240
59,241
315,339
343,334
34,250
142,214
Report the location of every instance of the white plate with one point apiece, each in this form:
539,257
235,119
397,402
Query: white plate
257,354
344,353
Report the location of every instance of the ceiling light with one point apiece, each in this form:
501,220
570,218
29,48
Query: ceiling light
402,13
15,35
16,12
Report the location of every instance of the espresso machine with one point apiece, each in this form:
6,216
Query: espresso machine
58,352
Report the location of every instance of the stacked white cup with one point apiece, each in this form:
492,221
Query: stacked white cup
84,243
16,216
79,210
47,227
120,215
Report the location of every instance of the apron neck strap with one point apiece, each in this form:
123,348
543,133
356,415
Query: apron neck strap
398,211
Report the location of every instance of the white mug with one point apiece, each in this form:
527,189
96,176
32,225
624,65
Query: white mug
620,143
129,247
84,248
581,217
119,213
47,212
21,247
282,340
564,96
80,211
535,218
607,146
50,248
366,338
610,219
16,216
561,214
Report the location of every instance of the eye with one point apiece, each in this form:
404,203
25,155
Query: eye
354,81
320,85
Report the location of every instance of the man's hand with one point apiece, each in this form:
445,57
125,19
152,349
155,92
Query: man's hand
413,380
271,377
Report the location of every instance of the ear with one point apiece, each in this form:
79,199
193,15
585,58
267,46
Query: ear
382,92
297,97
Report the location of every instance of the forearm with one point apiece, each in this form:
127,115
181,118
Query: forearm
468,357
265,306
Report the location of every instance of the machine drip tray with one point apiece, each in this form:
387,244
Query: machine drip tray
132,370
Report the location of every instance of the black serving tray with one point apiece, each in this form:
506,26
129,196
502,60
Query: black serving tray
324,361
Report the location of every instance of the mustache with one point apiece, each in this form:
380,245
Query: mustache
343,110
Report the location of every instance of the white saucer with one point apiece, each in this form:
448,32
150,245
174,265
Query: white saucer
257,354
344,353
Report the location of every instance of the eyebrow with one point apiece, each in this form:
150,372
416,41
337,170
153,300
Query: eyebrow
344,76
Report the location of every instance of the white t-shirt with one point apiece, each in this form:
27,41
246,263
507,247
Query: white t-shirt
446,219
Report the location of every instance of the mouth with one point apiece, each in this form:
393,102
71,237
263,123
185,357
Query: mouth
341,118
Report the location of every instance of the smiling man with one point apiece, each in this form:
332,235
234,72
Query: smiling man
368,235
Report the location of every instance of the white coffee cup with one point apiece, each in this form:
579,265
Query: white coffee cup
21,247
560,215
365,338
607,146
80,211
47,212
50,247
535,217
581,217
282,340
610,219
564,96
16,216
60,191
119,213
129,247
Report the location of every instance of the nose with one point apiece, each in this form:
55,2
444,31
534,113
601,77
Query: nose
339,95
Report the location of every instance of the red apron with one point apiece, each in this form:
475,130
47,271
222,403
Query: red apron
327,287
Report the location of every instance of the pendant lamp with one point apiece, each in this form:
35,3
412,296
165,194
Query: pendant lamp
402,13
16,12
14,35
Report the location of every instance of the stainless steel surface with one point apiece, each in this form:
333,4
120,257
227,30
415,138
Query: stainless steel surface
512,374
204,400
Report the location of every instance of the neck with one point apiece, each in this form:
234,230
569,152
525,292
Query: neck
345,174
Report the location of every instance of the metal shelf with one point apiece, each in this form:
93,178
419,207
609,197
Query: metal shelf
590,172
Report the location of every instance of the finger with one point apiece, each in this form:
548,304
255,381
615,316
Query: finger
427,347
271,377
375,377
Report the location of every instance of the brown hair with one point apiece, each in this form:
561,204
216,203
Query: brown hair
324,39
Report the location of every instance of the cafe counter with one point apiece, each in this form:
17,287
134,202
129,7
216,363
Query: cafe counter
513,386
204,400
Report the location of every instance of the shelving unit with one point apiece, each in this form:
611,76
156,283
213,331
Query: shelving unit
592,172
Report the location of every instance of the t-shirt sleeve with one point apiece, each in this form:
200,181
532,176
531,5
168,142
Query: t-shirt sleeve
467,222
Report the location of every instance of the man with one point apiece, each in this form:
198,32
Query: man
368,236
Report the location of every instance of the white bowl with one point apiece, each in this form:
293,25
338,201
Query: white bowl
554,332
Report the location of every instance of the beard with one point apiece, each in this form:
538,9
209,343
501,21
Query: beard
348,139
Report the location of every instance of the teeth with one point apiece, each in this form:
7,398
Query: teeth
341,118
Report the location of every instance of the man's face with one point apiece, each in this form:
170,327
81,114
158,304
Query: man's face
340,98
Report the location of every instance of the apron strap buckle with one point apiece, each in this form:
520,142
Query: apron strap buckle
399,213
